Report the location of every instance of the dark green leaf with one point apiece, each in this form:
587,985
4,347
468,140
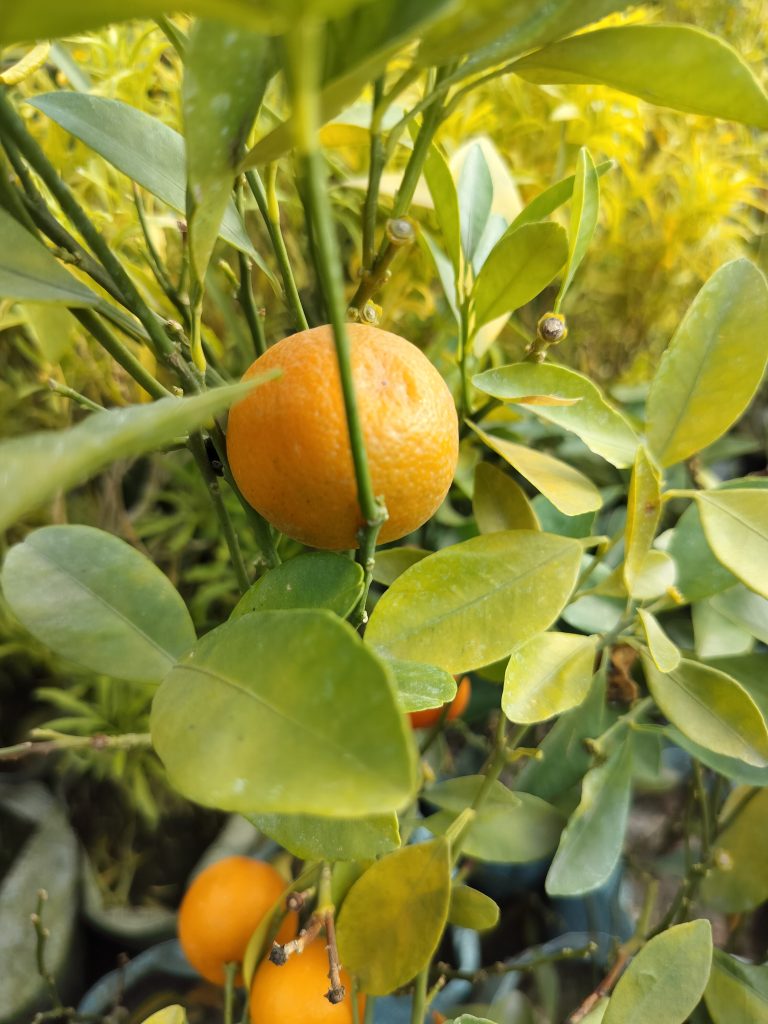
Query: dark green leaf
97,601
28,271
315,579
286,713
394,561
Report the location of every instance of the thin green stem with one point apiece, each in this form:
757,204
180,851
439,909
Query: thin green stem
230,971
370,1009
419,1004
375,168
530,965
175,36
272,222
155,263
74,396
302,44
122,355
462,352
245,290
49,741
197,447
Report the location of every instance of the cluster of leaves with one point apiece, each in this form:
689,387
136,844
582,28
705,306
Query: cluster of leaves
283,712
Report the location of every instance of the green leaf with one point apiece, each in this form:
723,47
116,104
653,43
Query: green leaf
226,71
472,909
475,193
520,266
498,503
468,605
553,198
737,991
584,212
712,709
739,880
713,365
446,203
143,148
394,915
699,574
422,686
671,65
643,515
569,490
592,418
33,468
715,635
29,272
564,757
314,579
509,828
394,561
97,601
335,839
745,609
666,979
750,672
591,844
736,527
547,675
665,655
175,1014
315,729
730,767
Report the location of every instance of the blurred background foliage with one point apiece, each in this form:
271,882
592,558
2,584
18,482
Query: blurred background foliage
685,195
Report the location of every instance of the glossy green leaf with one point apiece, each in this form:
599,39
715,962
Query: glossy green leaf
643,515
226,71
713,365
28,270
666,979
750,672
470,604
472,909
315,579
422,686
445,200
97,601
520,266
731,767
585,207
148,151
394,915
33,468
745,609
394,561
475,193
552,198
569,490
286,713
666,657
737,991
714,635
509,828
699,574
736,527
499,503
592,418
333,839
739,880
564,757
712,708
591,844
547,675
671,65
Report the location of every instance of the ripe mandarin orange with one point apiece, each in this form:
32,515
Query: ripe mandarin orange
430,717
222,908
295,992
289,449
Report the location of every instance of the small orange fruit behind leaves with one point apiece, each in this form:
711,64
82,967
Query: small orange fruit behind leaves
288,443
295,992
426,719
223,907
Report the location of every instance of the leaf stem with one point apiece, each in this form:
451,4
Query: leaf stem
122,355
419,1004
74,396
375,168
230,970
245,289
47,741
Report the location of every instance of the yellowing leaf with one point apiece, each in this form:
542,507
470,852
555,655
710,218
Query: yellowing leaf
736,527
643,514
665,655
499,503
547,675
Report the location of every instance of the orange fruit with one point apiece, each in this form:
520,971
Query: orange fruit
430,717
221,910
295,992
288,444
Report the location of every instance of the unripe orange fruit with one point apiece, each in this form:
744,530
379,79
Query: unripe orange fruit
288,444
295,992
430,717
221,910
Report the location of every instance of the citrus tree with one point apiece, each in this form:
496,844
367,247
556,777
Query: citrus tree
591,566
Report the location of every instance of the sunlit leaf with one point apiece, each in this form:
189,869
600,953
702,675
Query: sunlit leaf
97,601
468,605
446,202
553,198
393,916
28,271
666,979
235,720
672,65
547,675
736,527
713,365
591,417
475,193
568,489
585,207
315,579
737,991
665,655
591,844
420,687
